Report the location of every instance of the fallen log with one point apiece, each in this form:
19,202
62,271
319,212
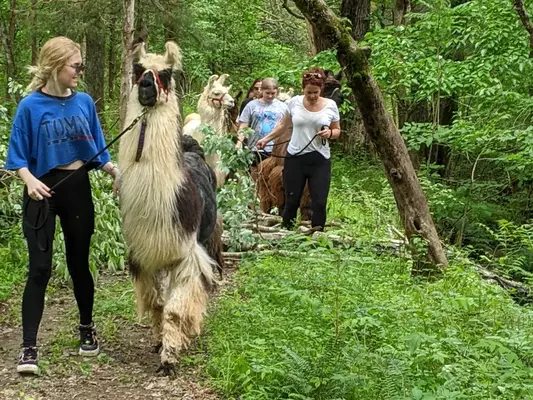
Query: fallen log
240,255
518,291
260,228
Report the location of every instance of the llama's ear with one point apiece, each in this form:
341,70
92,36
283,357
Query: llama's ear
173,55
340,75
138,51
211,80
290,92
222,78
229,88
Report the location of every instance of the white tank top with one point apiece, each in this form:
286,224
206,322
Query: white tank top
307,124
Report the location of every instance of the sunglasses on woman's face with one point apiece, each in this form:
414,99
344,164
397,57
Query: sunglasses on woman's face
312,75
79,68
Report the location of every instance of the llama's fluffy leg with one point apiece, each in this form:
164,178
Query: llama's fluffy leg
185,305
157,319
150,294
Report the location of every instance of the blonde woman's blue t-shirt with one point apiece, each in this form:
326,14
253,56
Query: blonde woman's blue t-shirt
49,131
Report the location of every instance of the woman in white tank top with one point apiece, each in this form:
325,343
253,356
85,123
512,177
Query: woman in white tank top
315,120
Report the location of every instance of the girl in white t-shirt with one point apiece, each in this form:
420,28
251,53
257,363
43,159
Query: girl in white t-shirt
262,115
314,120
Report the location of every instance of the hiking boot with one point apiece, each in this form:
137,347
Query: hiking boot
28,361
88,341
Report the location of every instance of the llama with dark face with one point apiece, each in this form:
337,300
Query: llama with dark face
332,87
168,207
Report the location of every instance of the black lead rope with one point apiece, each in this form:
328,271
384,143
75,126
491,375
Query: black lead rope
44,209
324,141
300,152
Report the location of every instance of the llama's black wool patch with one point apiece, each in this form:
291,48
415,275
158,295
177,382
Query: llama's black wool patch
133,267
188,206
138,70
197,205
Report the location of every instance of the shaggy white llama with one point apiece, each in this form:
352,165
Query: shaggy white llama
213,106
168,206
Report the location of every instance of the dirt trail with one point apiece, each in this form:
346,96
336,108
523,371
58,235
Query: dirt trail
124,370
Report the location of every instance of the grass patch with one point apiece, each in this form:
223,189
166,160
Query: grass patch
114,307
346,323
359,327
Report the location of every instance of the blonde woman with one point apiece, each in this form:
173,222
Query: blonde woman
55,130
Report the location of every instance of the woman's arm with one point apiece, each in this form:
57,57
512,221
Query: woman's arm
110,169
285,124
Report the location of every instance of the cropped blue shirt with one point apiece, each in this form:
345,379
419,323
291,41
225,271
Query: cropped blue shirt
50,131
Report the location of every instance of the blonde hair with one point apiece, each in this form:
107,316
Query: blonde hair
53,56
269,83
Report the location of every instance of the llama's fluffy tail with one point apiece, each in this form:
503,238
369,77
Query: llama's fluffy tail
198,267
187,299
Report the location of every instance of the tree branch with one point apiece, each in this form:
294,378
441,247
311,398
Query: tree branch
286,7
526,22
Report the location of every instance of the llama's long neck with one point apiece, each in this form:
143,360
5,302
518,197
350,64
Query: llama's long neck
212,116
149,187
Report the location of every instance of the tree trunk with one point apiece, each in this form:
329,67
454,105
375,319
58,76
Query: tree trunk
526,22
171,34
95,64
412,205
125,62
358,13
8,52
7,39
33,17
111,61
316,42
402,8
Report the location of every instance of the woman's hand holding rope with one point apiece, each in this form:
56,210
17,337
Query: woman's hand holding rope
325,133
36,189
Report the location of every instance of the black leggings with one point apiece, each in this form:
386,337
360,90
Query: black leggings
311,168
72,203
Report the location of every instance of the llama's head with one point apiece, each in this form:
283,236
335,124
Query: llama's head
332,87
285,96
217,94
153,73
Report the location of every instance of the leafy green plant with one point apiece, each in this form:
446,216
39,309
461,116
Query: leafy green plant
238,193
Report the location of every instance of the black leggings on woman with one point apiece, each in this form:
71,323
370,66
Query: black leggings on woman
72,203
311,168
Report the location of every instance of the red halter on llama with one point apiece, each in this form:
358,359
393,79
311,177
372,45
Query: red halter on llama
168,206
